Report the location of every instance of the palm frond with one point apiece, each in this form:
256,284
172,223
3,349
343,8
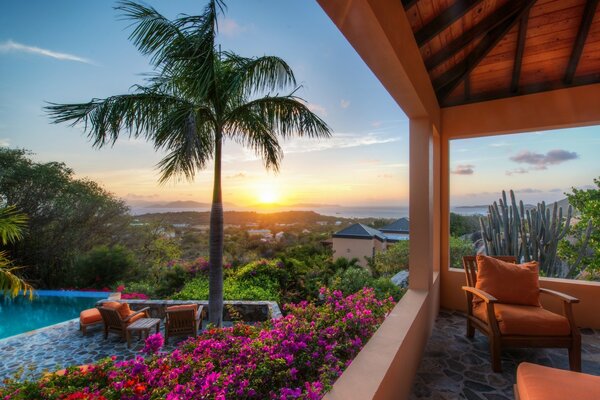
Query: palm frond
12,225
259,75
285,116
184,47
11,285
105,119
187,132
251,130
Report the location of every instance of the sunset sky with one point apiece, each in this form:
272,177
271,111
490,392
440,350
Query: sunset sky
72,51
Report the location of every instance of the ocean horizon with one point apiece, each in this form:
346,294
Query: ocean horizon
342,212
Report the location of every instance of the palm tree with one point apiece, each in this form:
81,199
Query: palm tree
11,230
197,98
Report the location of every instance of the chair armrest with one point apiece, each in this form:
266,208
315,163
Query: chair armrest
198,313
488,298
564,297
143,310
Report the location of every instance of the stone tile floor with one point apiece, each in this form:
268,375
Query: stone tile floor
455,367
62,345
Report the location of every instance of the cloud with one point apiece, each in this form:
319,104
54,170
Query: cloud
385,176
463,169
528,190
542,161
317,108
344,103
499,144
11,46
376,124
337,141
134,196
555,190
230,27
4,142
517,171
239,175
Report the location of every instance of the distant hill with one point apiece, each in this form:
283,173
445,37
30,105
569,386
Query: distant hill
184,204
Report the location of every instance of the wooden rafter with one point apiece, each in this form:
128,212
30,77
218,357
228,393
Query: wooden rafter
584,28
444,20
505,12
448,81
408,3
516,75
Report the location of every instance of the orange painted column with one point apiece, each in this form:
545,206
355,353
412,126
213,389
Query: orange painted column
423,198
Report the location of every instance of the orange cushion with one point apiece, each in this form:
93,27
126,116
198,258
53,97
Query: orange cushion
535,382
124,310
136,317
193,307
525,320
90,316
509,283
112,304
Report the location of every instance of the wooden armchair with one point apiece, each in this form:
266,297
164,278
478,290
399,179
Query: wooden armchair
183,320
117,317
510,325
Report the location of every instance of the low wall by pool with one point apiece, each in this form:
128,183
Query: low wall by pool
250,311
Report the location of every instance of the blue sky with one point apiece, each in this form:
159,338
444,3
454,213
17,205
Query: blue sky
72,51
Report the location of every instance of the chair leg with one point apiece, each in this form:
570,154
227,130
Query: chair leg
495,354
575,355
470,329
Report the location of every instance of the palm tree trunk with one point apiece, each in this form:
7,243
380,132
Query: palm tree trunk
215,274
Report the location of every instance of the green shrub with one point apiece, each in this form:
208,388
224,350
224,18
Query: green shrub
354,279
233,289
458,249
385,288
103,266
394,259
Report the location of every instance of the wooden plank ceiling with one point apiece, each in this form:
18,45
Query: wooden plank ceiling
477,50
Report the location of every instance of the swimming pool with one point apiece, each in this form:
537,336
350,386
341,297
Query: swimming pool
48,307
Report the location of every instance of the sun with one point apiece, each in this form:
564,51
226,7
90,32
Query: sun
268,196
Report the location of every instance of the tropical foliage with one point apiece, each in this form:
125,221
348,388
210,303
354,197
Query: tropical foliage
12,224
198,98
581,249
298,356
66,216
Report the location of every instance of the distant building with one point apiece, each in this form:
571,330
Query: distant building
322,223
264,233
279,236
360,241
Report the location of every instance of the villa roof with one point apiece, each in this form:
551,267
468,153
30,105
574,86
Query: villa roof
480,50
398,226
359,231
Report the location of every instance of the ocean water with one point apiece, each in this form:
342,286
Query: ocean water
342,212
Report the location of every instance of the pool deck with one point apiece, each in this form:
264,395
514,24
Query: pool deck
62,345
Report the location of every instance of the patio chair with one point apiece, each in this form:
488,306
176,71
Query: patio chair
507,310
118,316
183,320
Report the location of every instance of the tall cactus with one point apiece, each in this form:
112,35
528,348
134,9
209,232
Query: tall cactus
526,234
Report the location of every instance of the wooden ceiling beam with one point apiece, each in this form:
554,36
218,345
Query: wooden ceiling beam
487,24
448,81
584,29
408,3
516,75
444,20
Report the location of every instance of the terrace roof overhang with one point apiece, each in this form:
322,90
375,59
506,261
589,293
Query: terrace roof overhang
461,69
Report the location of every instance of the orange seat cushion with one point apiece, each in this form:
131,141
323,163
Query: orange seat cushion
193,307
90,316
509,283
525,320
136,317
112,304
535,382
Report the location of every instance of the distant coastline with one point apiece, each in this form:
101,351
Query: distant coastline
327,210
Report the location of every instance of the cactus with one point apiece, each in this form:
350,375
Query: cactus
529,235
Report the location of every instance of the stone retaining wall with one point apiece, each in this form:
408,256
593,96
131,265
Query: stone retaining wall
250,311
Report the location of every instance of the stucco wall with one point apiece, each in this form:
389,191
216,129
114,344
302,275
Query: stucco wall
353,248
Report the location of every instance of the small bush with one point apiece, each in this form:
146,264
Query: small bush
353,280
233,289
104,266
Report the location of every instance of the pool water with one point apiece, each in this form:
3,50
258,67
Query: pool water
21,315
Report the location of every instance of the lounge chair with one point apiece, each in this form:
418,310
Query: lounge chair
118,316
503,303
536,382
183,320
